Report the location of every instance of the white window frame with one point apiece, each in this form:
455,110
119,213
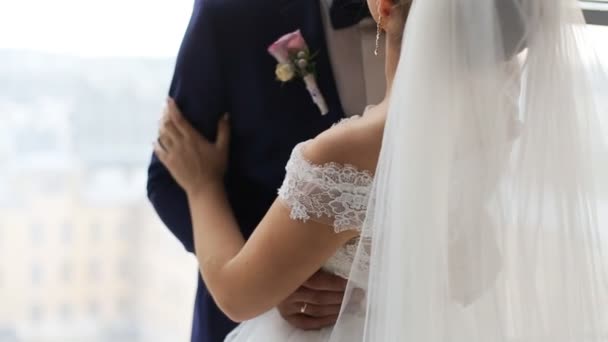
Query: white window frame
596,12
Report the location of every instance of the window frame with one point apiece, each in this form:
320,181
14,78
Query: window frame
596,12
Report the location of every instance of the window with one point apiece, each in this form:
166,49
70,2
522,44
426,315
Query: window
124,306
36,274
36,234
126,231
93,309
78,102
65,311
66,232
95,232
125,269
94,271
35,313
596,11
66,272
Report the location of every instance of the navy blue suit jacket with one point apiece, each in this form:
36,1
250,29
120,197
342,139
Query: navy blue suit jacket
223,66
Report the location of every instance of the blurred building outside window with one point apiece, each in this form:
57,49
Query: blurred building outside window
83,257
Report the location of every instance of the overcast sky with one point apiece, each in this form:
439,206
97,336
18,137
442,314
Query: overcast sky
112,27
95,27
152,28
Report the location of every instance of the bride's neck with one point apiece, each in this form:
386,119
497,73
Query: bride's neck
393,51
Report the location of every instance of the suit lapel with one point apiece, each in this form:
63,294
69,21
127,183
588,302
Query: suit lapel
305,15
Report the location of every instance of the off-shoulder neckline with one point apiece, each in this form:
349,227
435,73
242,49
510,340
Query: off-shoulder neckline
297,151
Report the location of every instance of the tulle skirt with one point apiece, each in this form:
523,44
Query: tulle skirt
271,327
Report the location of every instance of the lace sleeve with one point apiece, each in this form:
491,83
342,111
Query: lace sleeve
332,194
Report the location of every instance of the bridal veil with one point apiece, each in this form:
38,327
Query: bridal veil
485,222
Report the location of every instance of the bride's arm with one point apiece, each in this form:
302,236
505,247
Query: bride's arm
244,278
249,278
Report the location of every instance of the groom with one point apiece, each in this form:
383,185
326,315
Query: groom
223,66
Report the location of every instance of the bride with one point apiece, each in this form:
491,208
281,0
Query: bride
463,207
314,222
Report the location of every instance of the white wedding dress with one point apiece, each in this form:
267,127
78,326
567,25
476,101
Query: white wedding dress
484,228
334,194
475,232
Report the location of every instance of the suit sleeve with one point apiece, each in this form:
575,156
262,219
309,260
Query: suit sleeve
199,90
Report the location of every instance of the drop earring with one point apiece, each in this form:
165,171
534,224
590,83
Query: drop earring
378,33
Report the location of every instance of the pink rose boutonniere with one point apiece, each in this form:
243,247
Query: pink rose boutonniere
295,60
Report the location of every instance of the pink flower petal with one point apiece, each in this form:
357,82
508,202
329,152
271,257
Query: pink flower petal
297,42
291,42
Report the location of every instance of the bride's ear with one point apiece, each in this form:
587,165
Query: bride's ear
385,8
380,10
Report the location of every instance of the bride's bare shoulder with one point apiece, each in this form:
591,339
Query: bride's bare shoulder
356,142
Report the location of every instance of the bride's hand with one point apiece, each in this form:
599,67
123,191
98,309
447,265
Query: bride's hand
194,162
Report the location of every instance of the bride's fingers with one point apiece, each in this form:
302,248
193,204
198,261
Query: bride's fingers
326,282
160,152
312,323
182,125
313,310
169,130
165,142
305,295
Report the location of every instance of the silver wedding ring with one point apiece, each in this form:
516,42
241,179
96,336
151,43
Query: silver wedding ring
303,309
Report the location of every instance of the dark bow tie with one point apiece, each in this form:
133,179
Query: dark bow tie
346,13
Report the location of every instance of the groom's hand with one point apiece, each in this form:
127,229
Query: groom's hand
316,304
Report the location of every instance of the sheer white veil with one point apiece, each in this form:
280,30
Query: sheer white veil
483,224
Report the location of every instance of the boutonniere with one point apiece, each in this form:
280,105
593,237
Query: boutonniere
295,61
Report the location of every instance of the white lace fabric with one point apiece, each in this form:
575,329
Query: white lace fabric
333,194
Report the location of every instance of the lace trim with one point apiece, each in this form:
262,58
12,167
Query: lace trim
345,120
340,263
331,193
